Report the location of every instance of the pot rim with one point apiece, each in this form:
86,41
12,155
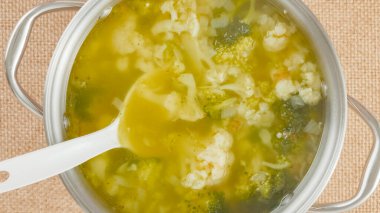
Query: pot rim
332,140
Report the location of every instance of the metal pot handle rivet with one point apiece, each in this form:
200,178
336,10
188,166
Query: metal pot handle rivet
17,44
371,176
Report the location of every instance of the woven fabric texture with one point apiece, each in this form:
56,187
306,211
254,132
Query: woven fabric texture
353,25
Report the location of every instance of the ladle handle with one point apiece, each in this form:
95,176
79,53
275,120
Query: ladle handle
17,45
371,175
50,161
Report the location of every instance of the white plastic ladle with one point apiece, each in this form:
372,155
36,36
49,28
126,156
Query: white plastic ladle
38,165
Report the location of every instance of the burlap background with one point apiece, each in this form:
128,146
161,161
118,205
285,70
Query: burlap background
352,24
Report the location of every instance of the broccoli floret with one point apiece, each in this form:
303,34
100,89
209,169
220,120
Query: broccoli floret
293,119
267,192
215,111
202,201
210,98
267,180
230,34
272,185
81,99
216,204
297,116
265,184
224,96
237,53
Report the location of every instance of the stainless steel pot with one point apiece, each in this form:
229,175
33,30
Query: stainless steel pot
327,156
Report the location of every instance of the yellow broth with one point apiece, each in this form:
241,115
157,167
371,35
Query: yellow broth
230,105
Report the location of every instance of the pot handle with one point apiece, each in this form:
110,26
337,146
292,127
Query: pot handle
17,44
371,176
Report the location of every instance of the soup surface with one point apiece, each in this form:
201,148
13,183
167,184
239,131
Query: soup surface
227,115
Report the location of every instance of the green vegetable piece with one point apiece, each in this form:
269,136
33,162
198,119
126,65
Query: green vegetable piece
209,100
81,100
296,118
203,201
230,34
217,205
265,195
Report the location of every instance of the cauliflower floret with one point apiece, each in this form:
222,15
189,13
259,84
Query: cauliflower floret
241,84
184,108
285,89
263,117
166,26
183,18
244,86
188,80
310,86
192,24
159,51
277,39
126,41
310,96
310,92
172,103
212,164
220,73
190,110
168,7
312,79
216,77
178,106
309,67
266,22
144,65
294,62
197,56
245,46
178,66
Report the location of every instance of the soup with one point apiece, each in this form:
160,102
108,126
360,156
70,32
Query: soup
226,105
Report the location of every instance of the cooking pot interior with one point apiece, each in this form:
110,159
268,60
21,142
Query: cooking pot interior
335,105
